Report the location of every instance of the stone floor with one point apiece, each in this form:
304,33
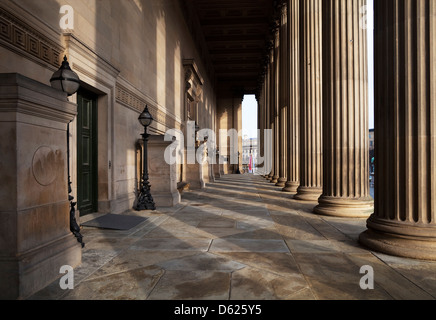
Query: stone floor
240,239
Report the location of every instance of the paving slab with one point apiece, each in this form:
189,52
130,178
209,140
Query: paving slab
202,262
248,245
399,285
132,260
254,284
192,285
282,264
129,285
171,244
333,276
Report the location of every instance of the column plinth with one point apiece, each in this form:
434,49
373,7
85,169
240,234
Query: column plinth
345,207
308,194
291,186
400,239
281,182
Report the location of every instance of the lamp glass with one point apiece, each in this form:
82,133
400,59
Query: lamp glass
65,79
145,119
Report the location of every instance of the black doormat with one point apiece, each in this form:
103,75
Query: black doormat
115,222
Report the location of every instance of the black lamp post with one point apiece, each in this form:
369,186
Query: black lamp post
237,170
68,81
145,200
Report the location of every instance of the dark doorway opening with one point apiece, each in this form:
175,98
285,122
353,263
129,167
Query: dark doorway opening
87,155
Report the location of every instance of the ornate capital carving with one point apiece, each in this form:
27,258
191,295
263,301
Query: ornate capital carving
194,81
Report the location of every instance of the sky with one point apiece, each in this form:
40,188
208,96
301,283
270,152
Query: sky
249,105
249,116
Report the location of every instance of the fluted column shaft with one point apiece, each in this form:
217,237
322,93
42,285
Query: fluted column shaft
267,122
264,127
275,103
345,98
260,97
272,107
293,116
311,102
404,222
283,94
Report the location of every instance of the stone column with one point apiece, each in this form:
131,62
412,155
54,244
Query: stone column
293,119
404,222
276,104
311,102
266,123
272,110
345,99
261,167
283,94
35,240
267,160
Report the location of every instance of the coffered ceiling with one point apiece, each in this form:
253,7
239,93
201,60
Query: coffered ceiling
236,34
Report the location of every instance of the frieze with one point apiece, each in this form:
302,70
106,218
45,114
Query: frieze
129,99
16,34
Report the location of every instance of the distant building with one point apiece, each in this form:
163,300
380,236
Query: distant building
371,155
249,151
371,139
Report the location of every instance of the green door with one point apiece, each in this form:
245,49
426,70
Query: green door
87,153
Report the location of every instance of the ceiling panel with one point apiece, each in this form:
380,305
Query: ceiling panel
236,34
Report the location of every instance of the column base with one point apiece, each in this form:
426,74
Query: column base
398,245
281,182
308,194
345,207
291,187
274,179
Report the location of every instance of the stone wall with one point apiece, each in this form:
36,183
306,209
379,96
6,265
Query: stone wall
130,53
